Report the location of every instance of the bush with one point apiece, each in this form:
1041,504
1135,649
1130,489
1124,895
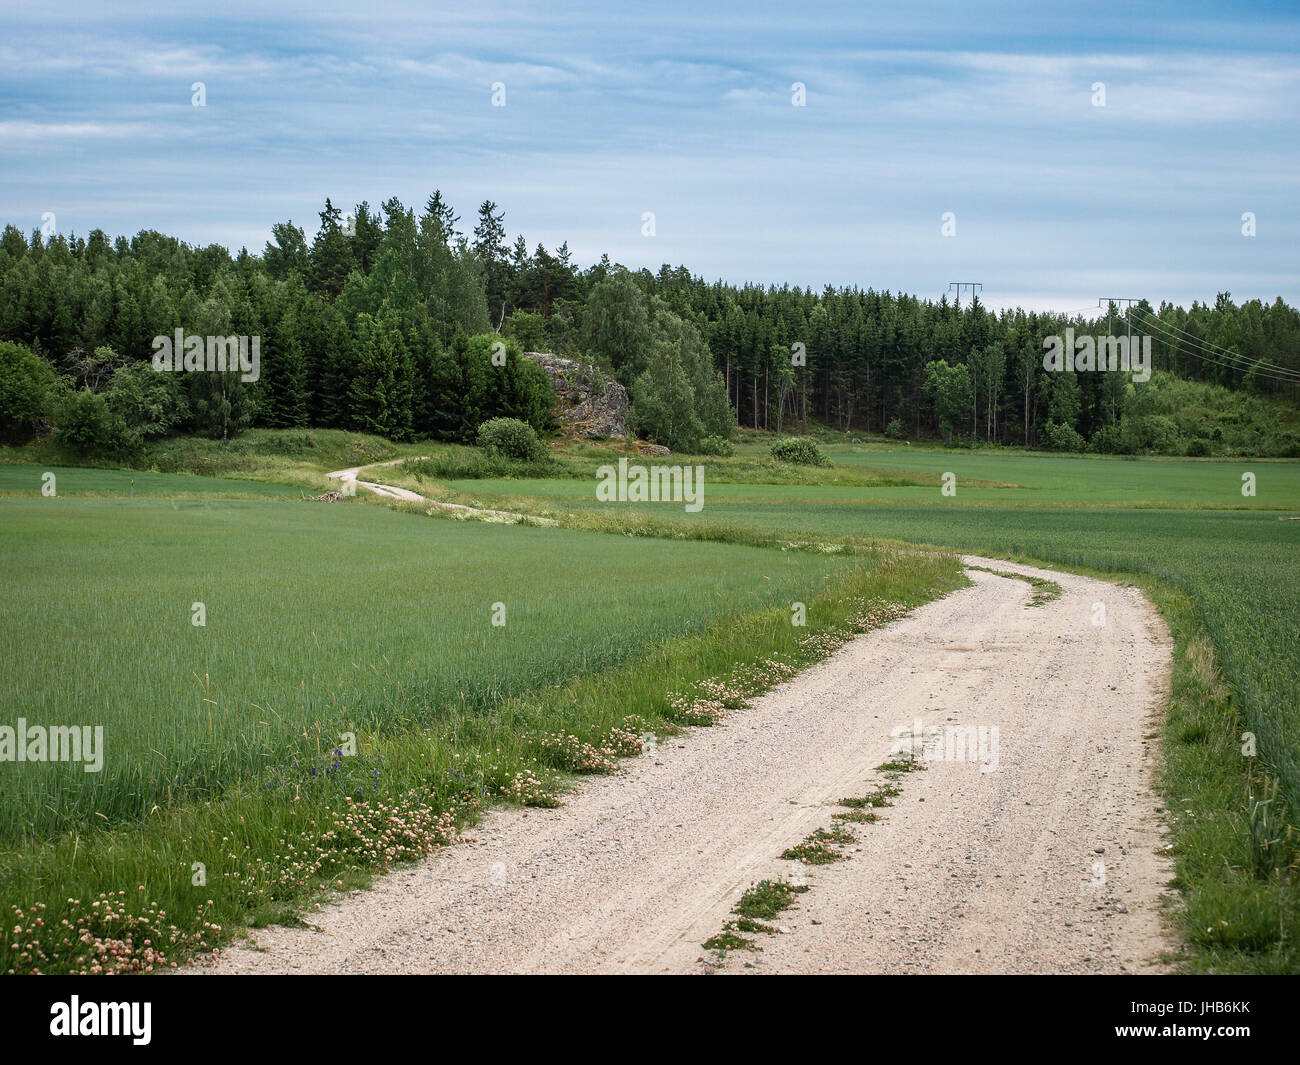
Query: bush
149,402
1284,445
511,439
1198,449
716,445
89,429
1059,437
29,387
799,452
894,430
1109,440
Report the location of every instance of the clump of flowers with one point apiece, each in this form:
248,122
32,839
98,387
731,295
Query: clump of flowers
876,614
725,693
869,616
694,710
624,742
759,677
384,834
111,935
573,754
823,644
526,789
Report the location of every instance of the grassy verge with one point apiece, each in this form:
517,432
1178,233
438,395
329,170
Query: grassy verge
1236,860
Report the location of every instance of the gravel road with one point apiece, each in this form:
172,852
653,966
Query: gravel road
1044,858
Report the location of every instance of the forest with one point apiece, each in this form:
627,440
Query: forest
413,326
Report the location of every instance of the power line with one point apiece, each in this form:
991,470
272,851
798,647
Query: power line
1128,301
1258,369
1217,349
972,285
1235,361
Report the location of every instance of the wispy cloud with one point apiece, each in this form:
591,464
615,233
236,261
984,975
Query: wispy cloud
687,111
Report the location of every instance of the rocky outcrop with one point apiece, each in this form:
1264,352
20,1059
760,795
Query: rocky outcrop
589,404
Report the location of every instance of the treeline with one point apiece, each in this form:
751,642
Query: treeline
386,322
376,326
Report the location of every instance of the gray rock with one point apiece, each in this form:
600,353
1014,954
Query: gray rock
587,403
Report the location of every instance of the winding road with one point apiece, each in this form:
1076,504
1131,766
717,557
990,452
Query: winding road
1044,859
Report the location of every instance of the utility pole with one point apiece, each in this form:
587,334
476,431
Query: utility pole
1128,302
959,285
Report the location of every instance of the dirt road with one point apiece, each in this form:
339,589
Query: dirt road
405,495
1039,857
385,491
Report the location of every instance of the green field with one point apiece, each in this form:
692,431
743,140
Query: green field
981,478
333,617
1091,480
71,481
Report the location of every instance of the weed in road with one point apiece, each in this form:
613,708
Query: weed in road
767,898
1044,590
821,847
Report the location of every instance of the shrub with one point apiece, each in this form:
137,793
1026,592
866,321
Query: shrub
512,439
716,445
1198,449
1059,437
89,429
799,452
1285,445
894,430
466,464
1109,440
149,402
28,389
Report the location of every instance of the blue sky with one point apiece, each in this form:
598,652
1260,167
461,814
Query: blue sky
684,110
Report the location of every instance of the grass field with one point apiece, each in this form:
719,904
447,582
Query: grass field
24,481
316,616
1011,480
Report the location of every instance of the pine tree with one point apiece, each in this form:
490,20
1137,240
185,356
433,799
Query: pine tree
490,247
331,254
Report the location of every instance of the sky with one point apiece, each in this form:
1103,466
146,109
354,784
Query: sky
1055,154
